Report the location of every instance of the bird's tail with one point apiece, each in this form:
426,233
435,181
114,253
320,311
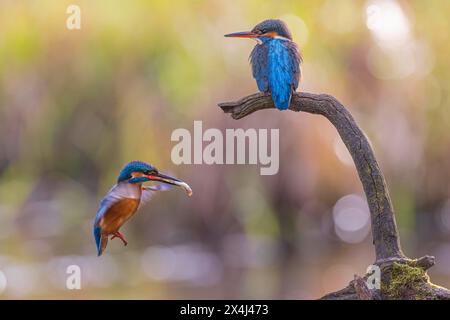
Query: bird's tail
100,240
282,103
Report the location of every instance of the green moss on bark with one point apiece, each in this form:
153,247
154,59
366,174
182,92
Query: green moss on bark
406,282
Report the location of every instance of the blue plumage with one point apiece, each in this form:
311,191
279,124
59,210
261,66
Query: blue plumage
98,238
260,68
281,73
134,166
275,61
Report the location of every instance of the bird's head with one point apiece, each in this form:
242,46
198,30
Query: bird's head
266,30
140,172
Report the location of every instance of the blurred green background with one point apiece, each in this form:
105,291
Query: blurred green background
76,105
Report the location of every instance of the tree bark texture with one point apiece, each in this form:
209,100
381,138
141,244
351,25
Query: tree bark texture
402,278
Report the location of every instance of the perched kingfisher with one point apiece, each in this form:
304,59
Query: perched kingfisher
275,60
126,197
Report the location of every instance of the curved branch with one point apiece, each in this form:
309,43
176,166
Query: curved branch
384,229
402,278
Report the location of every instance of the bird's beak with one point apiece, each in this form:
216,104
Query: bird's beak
244,34
170,180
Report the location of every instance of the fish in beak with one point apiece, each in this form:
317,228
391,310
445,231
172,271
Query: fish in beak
170,180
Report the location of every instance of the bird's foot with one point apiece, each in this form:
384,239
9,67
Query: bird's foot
120,236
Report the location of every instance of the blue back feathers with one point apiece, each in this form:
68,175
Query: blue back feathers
281,73
275,66
133,166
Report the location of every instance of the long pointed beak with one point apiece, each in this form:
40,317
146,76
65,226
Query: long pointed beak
170,180
244,34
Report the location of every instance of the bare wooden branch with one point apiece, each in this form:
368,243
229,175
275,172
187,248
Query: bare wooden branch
384,229
389,255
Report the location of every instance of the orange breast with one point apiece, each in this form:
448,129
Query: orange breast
118,214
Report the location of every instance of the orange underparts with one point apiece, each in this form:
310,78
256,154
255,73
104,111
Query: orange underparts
117,215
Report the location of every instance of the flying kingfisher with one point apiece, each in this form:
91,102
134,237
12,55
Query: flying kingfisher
126,197
275,60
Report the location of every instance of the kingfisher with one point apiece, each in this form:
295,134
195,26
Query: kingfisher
275,60
126,197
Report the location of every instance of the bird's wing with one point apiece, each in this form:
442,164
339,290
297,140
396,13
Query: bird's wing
296,60
112,197
149,191
115,208
260,70
284,71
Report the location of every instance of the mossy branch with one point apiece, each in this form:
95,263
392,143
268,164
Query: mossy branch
386,238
